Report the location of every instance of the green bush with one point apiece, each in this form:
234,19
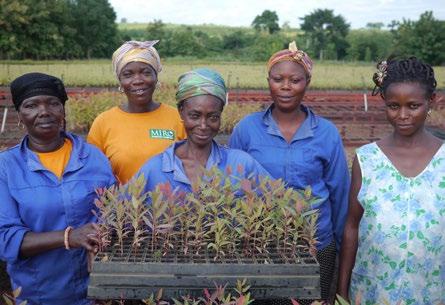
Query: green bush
82,110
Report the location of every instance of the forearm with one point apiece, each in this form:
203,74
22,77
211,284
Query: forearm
347,259
37,243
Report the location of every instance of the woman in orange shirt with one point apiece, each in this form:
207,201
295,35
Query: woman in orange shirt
140,128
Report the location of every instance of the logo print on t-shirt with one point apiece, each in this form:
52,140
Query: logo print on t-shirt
166,134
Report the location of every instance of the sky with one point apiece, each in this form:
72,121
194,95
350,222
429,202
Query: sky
242,12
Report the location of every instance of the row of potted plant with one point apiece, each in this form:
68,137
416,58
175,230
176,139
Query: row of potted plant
255,218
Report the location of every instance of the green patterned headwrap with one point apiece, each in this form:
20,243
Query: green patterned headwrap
201,81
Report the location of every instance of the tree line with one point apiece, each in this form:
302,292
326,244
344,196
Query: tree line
57,29
67,29
322,34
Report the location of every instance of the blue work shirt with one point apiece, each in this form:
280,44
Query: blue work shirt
314,157
33,199
167,167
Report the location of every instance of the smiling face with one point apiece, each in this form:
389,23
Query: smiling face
202,118
407,107
138,81
43,116
287,84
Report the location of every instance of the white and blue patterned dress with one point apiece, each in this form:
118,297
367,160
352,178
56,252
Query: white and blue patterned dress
401,248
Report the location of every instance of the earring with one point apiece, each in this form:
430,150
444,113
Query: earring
120,89
20,124
429,112
158,86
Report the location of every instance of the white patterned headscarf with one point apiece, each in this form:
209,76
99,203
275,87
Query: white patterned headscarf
142,51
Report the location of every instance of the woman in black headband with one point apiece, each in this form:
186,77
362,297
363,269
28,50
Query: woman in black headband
47,192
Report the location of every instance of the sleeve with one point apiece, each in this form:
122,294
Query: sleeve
336,176
95,135
111,178
145,172
103,163
258,169
12,228
235,140
181,130
246,166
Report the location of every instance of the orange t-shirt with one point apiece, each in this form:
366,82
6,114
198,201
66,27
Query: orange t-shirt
130,139
56,161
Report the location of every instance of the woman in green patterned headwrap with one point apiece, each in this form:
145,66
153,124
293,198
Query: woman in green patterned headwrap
201,97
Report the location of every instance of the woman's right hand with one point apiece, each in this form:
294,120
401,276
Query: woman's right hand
85,237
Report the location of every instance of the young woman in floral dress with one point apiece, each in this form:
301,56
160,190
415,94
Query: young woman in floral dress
393,247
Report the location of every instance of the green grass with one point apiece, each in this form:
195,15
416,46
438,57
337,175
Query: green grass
245,75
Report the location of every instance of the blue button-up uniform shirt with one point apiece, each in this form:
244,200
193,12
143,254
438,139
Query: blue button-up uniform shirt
314,157
33,199
167,167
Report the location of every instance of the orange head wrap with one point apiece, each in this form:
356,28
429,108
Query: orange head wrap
292,54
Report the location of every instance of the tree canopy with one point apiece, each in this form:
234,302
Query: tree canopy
326,33
424,38
43,29
66,29
369,44
267,21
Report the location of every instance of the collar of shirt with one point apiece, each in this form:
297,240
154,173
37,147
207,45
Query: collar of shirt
171,163
33,163
306,130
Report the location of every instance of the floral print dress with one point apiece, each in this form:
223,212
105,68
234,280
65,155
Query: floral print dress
401,247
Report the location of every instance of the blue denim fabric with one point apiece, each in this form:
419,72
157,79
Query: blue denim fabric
167,167
314,157
34,199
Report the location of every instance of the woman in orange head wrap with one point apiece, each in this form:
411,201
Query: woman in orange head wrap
294,144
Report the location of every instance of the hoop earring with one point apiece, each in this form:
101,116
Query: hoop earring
120,89
429,112
20,124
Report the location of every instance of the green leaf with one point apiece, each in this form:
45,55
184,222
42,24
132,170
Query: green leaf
420,235
340,301
7,300
17,292
420,212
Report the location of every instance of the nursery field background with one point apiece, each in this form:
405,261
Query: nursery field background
75,40
340,75
339,91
